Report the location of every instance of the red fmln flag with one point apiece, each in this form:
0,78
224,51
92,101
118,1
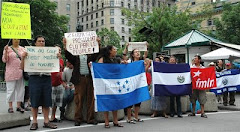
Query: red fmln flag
203,78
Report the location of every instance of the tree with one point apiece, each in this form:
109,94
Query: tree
110,37
167,24
228,27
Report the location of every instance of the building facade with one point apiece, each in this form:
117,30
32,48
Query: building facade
97,14
196,6
70,9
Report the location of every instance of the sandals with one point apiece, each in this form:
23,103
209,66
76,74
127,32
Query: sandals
34,126
165,116
192,114
153,115
55,120
138,120
107,126
117,125
50,125
131,121
21,110
204,115
10,110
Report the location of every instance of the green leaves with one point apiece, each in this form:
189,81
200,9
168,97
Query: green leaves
109,37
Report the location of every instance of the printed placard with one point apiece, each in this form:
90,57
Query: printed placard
15,21
41,59
141,46
79,43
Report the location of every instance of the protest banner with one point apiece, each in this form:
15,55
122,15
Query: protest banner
15,21
41,59
203,78
141,46
79,43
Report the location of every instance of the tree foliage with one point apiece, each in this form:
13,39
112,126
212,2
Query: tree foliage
228,27
109,37
167,24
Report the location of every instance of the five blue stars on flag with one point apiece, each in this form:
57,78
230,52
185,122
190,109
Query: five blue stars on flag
123,86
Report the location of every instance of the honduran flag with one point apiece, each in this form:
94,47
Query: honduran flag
227,81
171,79
117,86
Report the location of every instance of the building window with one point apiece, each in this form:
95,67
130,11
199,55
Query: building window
129,39
78,5
135,6
129,5
96,15
122,4
123,30
210,22
97,30
193,3
87,10
112,3
78,13
142,2
123,38
112,28
102,21
147,9
102,5
68,7
92,8
91,16
91,24
111,20
92,1
86,18
82,3
111,12
97,7
82,12
82,19
123,21
153,3
86,26
122,13
69,27
96,23
142,8
87,2
147,2
130,30
159,4
102,13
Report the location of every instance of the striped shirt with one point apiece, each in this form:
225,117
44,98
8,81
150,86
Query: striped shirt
83,65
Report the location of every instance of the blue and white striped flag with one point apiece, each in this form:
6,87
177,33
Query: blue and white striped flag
117,86
227,80
171,79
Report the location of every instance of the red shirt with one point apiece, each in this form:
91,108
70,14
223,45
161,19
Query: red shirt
149,78
57,76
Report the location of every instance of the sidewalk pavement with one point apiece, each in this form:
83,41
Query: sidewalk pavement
8,120
230,107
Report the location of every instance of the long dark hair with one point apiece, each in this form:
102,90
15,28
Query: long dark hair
105,52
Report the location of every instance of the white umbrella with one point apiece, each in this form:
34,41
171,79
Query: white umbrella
221,53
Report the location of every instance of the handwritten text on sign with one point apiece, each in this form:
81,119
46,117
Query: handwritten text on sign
15,21
141,46
79,43
41,59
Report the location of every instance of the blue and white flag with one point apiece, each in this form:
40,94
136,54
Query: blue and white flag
117,86
171,79
227,80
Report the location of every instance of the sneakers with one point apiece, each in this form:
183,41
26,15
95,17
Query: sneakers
131,121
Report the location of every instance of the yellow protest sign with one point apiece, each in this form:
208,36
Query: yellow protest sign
15,21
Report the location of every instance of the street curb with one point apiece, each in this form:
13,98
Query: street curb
9,120
232,108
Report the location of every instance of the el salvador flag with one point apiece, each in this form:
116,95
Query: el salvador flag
117,86
227,81
171,79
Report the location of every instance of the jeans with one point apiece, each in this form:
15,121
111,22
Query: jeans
67,98
172,105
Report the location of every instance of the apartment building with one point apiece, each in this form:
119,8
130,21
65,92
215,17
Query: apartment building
196,6
97,14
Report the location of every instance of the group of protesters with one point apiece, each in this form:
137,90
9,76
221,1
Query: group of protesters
74,82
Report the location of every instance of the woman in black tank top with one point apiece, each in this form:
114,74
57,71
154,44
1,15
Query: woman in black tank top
109,56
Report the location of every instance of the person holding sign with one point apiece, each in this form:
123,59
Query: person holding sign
40,90
135,56
82,80
14,75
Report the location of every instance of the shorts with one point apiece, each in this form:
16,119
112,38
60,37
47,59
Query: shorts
57,95
40,89
199,95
